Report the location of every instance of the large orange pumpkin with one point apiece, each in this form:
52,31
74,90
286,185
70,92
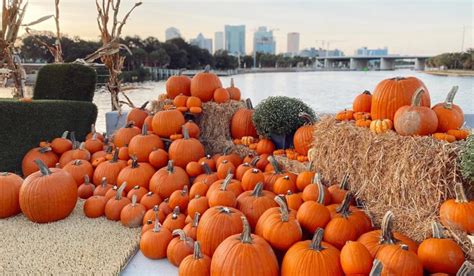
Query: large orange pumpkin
44,154
391,94
108,169
123,135
415,119
362,102
241,124
136,174
48,195
185,150
179,84
204,84
167,122
450,116
143,144
459,212
10,189
398,260
168,179
303,137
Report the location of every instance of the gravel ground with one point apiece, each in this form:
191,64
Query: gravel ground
76,245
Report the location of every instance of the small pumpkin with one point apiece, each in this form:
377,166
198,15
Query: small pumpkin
180,101
136,174
459,212
138,115
224,168
168,179
10,185
250,179
86,189
132,214
114,206
150,199
154,242
94,144
193,129
294,200
193,169
179,198
108,169
450,116
158,158
339,191
265,146
303,138
94,206
221,95
460,134
311,192
305,177
123,135
196,264
199,204
361,115
363,123
191,228
444,137
362,102
45,154
103,188
61,144
234,92
356,259
168,122
306,214
179,247
345,115
79,169
381,126
223,196
254,203
175,220
398,260
193,102
139,191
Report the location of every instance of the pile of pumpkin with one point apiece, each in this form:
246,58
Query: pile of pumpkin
403,104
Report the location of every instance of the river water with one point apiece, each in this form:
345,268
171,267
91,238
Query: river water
325,92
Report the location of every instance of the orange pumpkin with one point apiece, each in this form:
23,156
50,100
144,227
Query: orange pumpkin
136,174
185,150
345,115
196,264
204,84
178,84
221,95
362,102
44,154
132,214
241,124
62,144
459,134
154,242
168,179
233,91
193,102
143,144
458,213
356,259
179,247
444,137
180,101
265,146
123,135
193,129
10,186
138,115
306,213
450,116
167,122
398,260
303,137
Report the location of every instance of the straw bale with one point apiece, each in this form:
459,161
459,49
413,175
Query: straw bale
157,105
411,176
293,166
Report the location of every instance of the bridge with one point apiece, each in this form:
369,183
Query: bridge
358,63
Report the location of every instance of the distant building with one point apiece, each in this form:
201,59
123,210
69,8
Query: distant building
235,39
171,33
202,42
311,52
293,43
218,41
371,52
263,41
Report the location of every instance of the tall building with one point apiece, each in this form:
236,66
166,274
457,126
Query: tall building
263,41
218,41
364,51
171,33
235,39
202,42
293,43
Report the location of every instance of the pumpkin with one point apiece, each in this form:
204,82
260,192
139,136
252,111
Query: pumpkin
114,206
415,119
150,199
132,214
398,260
179,198
361,115
284,184
234,92
363,123
154,214
10,186
78,152
250,179
148,121
224,168
109,169
140,192
377,239
272,176
305,177
228,155
123,153
339,191
314,214
62,144
232,185
193,102
123,135
241,123
439,254
102,188
154,242
216,224
191,228
86,189
199,204
381,126
458,213
209,161
450,116
136,174
193,169
175,220
304,258
311,192
460,134
265,146
223,196
293,200
179,247
167,122
48,195
46,156
259,256
93,131
185,150
204,84
356,259
208,177
240,172
195,110
196,264
345,115
391,94
94,206
444,137
78,169
112,192
278,222
168,179
362,102
143,144
193,129
254,203
180,101
94,144
158,158
303,138
178,84
221,95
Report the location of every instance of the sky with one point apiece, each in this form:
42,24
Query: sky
408,27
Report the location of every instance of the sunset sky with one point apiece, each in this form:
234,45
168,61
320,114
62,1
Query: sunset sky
404,26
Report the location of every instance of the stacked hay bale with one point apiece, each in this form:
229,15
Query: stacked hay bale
411,176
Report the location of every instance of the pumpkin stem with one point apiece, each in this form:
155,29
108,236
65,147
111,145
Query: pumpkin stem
254,161
226,182
257,191
65,134
170,167
185,132
386,226
343,209
157,226
227,150
224,209
404,247
232,82
466,269
197,215
184,191
134,200
86,179
77,162
281,201
366,92
310,166
248,103
416,100
42,167
197,254
45,149
206,168
437,230
275,164
377,267
180,233
246,235
118,195
448,103
207,68
306,117
4,174
145,129
144,105
73,138
103,182
115,158
317,239
134,162
176,212
460,195
345,182
321,192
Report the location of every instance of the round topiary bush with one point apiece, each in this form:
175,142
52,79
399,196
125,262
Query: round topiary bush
279,115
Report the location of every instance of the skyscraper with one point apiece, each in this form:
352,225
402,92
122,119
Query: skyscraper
364,51
235,39
171,33
293,43
202,42
218,41
263,41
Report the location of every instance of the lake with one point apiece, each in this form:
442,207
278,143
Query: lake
325,92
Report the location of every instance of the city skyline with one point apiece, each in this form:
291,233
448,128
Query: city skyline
399,26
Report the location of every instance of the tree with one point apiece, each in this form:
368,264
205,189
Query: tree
159,58
223,60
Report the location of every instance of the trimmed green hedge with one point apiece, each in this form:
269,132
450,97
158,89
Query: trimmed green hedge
74,82
23,125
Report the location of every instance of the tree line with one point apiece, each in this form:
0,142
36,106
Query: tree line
459,60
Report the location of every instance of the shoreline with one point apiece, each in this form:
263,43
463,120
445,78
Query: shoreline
450,73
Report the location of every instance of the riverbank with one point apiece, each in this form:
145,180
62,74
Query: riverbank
451,73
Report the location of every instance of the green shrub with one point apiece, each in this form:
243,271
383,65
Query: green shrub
279,115
139,75
467,160
74,82
24,125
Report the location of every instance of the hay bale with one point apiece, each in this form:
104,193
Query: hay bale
293,166
411,176
157,105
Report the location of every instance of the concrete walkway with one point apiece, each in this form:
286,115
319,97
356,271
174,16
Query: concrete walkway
140,265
